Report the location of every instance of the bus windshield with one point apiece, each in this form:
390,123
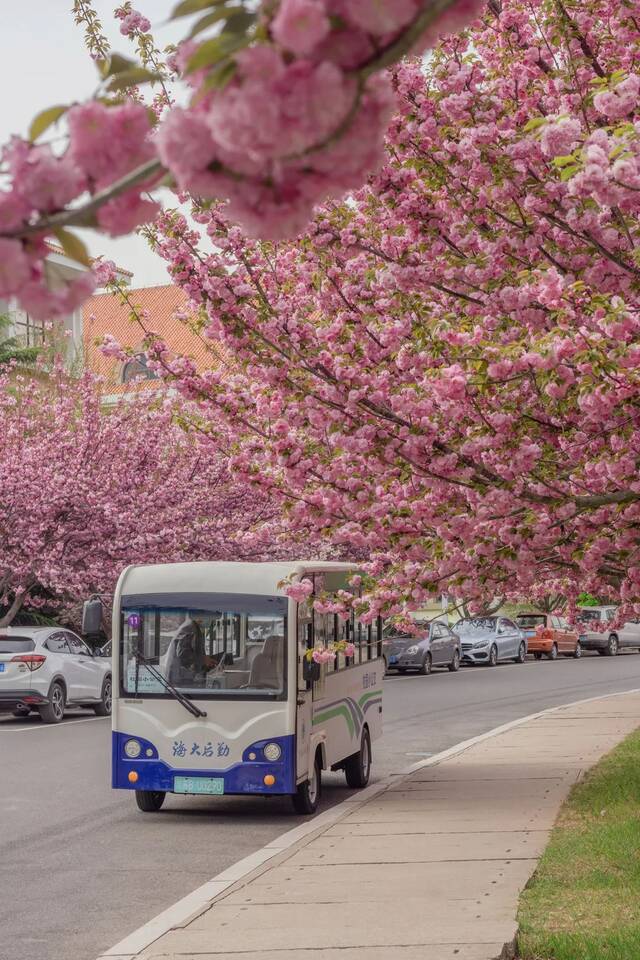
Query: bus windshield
211,646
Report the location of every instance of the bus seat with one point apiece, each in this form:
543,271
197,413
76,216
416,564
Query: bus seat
266,668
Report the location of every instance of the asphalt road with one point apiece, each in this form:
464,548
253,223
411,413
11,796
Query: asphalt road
80,867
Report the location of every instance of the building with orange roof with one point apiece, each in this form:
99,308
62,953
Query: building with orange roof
164,311
65,335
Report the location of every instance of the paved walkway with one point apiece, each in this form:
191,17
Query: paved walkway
428,867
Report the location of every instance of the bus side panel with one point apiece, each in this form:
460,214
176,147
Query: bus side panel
344,701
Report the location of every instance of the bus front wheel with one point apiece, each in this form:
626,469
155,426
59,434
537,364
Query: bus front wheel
307,796
357,767
150,801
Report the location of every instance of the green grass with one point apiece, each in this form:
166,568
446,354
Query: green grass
583,902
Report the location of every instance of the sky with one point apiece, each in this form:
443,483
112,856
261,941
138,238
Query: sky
44,62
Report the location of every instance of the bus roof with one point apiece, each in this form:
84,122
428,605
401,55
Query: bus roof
222,576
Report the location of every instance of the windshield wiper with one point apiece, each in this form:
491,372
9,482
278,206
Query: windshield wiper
180,697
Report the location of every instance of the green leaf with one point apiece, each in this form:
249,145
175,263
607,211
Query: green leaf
569,172
73,246
187,7
215,17
220,76
563,161
239,22
132,78
116,64
534,123
211,51
44,119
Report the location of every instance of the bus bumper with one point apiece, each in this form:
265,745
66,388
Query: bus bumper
246,777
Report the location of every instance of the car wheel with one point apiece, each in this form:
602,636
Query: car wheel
53,712
577,653
612,646
454,666
493,656
150,801
537,655
358,766
553,653
307,796
425,666
103,709
522,653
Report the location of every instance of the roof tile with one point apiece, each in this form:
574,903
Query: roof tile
103,313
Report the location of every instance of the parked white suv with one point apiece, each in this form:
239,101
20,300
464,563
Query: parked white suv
595,633
47,669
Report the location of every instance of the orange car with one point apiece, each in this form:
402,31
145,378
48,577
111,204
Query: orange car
549,635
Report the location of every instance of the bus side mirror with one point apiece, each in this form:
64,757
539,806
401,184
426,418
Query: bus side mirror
91,616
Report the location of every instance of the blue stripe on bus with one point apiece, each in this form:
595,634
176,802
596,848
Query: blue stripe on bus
241,778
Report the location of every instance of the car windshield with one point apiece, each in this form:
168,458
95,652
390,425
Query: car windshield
529,621
589,615
393,633
16,645
476,625
206,645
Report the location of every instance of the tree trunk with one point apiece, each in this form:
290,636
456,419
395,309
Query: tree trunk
14,609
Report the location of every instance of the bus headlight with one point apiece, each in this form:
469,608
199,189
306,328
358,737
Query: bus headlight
132,749
272,752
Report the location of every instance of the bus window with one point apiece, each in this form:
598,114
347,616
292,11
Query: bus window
213,645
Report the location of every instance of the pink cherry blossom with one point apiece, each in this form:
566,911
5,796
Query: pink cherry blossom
274,109
441,374
300,590
300,25
377,16
89,491
559,137
15,268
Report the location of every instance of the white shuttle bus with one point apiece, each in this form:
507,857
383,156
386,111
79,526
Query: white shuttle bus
215,692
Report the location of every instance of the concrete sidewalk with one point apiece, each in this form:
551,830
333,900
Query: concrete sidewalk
428,867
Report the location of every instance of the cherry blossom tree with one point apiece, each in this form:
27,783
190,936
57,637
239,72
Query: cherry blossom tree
443,372
86,491
289,103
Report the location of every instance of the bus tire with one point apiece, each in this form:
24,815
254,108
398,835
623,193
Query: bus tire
307,797
357,767
150,801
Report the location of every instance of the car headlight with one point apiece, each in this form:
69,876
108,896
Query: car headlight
480,643
272,751
412,650
132,749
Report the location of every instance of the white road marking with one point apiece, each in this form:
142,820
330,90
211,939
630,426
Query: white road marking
49,726
199,900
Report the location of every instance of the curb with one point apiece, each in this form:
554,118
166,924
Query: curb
200,899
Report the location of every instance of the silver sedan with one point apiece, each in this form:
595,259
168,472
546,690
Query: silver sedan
488,640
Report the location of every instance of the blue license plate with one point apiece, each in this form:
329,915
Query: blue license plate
1,667
393,659
212,786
